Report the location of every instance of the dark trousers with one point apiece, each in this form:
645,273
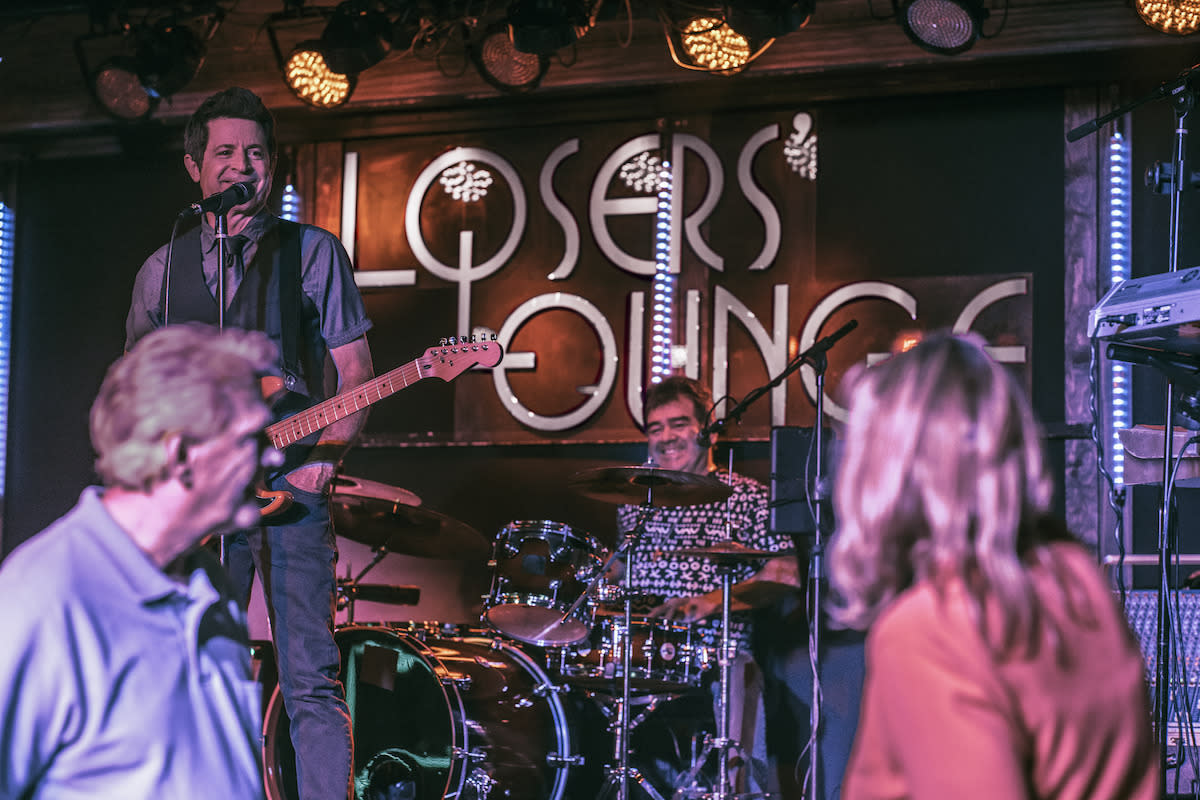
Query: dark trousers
296,562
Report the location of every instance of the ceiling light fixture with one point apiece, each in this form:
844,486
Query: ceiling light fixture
759,20
543,27
503,65
311,80
948,27
356,38
157,61
709,44
1170,16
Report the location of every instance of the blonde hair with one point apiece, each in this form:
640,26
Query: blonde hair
192,380
942,474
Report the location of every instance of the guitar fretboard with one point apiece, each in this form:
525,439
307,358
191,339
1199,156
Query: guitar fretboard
324,414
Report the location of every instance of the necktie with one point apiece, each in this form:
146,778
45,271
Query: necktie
235,267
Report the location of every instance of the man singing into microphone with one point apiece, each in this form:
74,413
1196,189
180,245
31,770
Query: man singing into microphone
294,283
688,586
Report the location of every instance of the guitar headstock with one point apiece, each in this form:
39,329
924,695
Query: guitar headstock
457,354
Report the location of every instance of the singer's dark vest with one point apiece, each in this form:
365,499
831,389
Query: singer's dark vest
268,299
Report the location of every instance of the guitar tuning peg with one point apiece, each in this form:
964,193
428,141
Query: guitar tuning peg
453,341
442,342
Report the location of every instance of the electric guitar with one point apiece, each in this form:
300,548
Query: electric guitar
446,361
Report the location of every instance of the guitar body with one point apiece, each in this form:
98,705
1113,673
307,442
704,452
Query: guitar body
300,424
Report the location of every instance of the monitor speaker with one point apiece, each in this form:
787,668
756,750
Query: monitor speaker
793,471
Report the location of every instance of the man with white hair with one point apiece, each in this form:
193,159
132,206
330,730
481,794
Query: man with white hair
125,668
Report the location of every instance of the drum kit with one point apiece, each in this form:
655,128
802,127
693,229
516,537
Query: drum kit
526,704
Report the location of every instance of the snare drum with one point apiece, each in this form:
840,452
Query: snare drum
667,656
449,717
539,570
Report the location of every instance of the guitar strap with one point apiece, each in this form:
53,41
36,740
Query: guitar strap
290,300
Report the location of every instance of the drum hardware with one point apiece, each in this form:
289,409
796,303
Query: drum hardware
462,682
474,755
549,688
648,478
555,760
724,744
349,590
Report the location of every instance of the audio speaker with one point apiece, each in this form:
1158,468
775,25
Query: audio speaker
793,469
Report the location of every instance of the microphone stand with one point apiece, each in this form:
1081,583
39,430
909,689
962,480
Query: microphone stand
1183,99
815,357
221,231
220,228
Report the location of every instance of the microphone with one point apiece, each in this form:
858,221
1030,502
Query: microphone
221,202
829,341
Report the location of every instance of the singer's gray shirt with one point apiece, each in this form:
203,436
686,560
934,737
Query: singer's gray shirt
325,274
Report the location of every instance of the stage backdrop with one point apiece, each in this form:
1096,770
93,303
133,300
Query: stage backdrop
548,241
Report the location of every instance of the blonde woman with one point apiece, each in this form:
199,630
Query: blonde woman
998,662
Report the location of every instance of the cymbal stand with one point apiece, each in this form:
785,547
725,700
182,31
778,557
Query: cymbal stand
618,777
724,744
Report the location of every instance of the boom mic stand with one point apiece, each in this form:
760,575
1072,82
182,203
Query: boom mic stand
1179,91
816,358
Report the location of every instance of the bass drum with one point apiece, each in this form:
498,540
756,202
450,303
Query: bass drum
458,717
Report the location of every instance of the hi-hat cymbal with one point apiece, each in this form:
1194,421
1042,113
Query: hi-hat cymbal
636,485
728,553
399,528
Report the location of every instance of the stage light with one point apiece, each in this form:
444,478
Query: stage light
710,44
118,89
543,27
311,80
502,65
947,27
156,62
759,20
1170,16
168,57
355,38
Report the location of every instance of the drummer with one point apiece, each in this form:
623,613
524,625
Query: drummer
687,588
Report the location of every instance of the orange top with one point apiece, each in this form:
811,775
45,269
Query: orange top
942,718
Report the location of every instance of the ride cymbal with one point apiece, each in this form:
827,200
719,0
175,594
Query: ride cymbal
642,484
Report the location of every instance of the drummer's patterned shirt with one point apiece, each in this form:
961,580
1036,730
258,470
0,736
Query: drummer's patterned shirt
658,573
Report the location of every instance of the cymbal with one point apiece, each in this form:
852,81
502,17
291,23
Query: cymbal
384,491
728,553
632,486
400,528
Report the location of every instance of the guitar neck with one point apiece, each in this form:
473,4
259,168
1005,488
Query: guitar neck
324,414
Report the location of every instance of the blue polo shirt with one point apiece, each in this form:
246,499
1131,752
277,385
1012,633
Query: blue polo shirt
117,680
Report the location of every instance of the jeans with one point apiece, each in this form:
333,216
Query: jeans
296,561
